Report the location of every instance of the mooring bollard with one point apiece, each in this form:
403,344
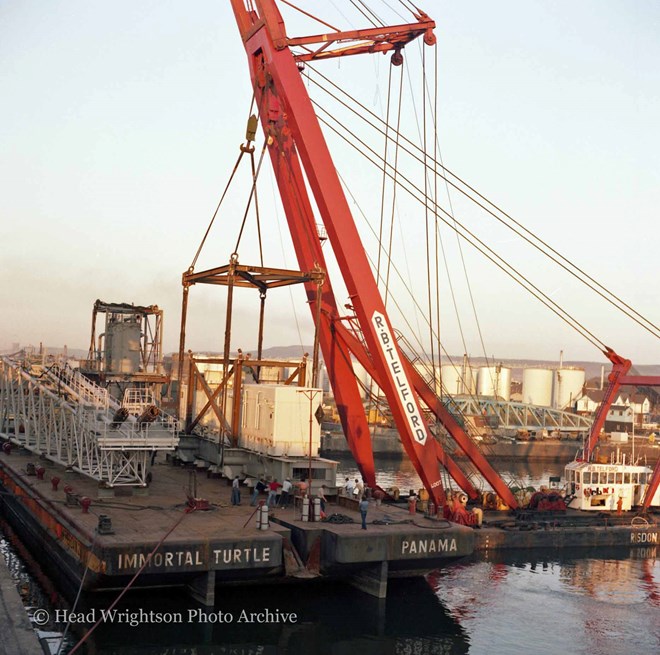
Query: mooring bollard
263,510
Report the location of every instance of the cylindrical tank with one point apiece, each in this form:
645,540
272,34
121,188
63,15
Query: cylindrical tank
458,379
494,381
364,380
537,386
122,346
568,385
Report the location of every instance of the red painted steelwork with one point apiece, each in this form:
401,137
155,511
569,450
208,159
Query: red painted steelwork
291,124
302,225
363,357
620,366
653,486
461,438
617,378
377,39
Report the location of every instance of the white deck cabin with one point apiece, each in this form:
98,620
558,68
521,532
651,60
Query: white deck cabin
598,487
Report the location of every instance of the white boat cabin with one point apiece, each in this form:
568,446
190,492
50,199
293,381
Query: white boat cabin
607,487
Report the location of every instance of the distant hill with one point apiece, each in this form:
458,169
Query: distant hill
74,353
591,369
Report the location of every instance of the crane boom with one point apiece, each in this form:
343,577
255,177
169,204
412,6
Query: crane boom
298,149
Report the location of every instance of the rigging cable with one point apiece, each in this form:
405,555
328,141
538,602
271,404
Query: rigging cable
382,188
426,215
302,11
446,264
437,158
394,185
531,238
253,192
364,14
372,12
147,560
405,319
243,150
482,247
450,280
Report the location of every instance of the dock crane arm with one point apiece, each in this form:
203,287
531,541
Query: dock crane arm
617,378
301,159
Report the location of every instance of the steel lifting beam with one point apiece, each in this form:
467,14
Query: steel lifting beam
290,123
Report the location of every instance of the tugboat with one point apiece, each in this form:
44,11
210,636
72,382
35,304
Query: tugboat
614,486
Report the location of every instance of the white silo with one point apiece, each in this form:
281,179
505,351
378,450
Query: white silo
494,381
425,369
363,379
458,379
568,386
537,386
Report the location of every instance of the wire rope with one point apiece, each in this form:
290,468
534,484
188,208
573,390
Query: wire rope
528,236
471,238
302,11
253,191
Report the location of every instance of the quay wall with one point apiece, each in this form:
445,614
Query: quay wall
388,444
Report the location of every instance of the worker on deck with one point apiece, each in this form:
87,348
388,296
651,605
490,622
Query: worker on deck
286,492
235,492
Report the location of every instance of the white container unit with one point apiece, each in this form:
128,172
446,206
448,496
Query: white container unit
537,386
568,386
494,381
276,420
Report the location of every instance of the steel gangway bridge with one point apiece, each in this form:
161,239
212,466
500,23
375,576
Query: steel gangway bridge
55,412
503,414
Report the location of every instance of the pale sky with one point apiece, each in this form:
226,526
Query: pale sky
120,123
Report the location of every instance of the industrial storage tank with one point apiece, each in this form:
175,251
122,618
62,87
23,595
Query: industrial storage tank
426,371
364,380
458,379
122,345
568,386
494,381
537,386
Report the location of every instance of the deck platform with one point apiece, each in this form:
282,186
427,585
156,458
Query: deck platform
205,547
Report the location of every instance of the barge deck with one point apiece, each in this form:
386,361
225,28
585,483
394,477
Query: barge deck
205,549
120,534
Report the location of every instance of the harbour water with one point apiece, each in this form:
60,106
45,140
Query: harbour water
393,472
527,602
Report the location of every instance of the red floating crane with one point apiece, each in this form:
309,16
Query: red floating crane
297,148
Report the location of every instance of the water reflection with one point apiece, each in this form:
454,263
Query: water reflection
401,473
603,601
333,619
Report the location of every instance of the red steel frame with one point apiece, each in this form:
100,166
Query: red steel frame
296,142
618,378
